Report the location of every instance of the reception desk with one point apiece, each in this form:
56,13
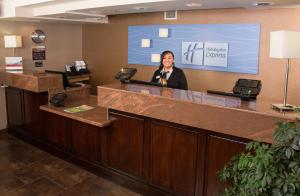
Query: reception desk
159,140
177,140
30,80
254,120
25,91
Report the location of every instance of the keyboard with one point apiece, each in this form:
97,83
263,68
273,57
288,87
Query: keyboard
223,93
227,94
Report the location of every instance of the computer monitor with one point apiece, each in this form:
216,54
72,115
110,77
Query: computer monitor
64,77
145,83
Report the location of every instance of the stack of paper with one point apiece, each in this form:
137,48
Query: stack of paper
76,109
14,63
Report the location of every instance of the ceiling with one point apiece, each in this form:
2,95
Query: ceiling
98,11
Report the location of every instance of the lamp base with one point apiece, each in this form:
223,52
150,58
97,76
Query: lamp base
282,107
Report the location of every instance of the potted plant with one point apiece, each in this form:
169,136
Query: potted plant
266,169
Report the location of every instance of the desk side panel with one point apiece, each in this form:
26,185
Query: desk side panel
239,123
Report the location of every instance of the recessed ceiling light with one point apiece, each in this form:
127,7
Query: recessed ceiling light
139,8
263,3
193,4
94,12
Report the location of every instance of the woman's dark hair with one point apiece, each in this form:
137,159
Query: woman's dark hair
163,54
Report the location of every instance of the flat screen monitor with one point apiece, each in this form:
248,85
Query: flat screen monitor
64,76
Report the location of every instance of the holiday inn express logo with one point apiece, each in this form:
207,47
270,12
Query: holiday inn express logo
208,53
192,53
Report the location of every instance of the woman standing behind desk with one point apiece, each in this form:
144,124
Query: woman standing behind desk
169,75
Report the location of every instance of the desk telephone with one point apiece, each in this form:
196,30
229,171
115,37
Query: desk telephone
125,74
247,88
58,99
244,88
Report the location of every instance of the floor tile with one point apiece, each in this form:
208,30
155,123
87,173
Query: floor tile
41,187
91,186
50,164
69,176
122,191
28,171
28,174
9,182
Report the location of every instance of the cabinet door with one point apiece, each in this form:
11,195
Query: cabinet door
125,146
33,121
14,107
219,151
89,142
173,158
57,130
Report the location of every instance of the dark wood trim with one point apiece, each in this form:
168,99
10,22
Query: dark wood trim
229,148
200,171
146,153
126,152
152,156
119,177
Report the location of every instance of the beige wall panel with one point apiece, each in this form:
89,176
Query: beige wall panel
63,45
63,42
105,49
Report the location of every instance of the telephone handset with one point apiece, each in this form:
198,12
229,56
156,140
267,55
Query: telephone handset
125,74
58,99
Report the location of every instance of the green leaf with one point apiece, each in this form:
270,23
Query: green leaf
268,169
264,181
295,147
285,188
288,153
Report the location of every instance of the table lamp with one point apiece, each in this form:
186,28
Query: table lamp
12,41
285,45
13,63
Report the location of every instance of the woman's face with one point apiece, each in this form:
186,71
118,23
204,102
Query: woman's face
168,61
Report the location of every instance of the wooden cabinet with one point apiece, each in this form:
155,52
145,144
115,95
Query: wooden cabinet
14,107
173,158
126,144
178,159
57,130
89,142
33,121
23,113
219,151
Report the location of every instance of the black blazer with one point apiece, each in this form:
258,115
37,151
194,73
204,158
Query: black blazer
176,80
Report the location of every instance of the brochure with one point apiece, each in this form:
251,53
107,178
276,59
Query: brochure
76,109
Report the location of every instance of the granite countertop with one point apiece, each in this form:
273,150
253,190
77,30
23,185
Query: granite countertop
98,116
31,80
188,96
254,120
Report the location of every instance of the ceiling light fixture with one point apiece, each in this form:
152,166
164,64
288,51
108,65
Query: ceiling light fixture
193,4
94,12
266,3
140,8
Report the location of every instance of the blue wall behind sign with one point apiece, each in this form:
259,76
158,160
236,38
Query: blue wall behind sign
242,39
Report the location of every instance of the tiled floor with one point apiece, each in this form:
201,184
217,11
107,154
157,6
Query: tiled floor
29,171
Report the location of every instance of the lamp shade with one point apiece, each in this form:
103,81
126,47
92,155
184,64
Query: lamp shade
12,41
285,44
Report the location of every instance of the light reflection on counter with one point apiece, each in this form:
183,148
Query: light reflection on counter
260,106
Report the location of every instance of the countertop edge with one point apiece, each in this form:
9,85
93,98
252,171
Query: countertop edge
64,114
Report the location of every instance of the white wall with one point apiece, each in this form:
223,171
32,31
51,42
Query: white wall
2,109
